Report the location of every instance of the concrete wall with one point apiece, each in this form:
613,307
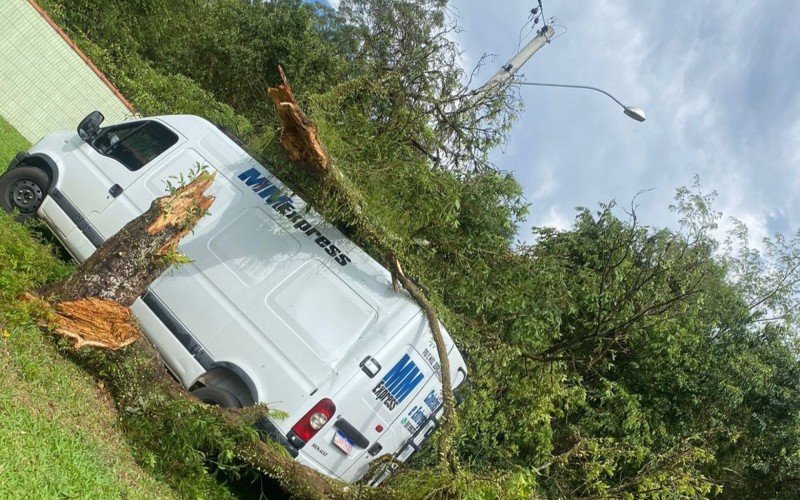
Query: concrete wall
46,83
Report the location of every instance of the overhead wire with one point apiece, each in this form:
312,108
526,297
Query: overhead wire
520,37
534,15
554,25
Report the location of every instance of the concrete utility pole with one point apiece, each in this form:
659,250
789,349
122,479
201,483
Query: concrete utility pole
514,64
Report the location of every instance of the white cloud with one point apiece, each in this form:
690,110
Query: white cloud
546,183
555,218
793,146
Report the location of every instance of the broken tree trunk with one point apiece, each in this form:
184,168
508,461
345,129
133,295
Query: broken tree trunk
299,134
91,306
125,265
300,140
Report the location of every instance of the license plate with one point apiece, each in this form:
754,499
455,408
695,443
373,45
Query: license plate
342,442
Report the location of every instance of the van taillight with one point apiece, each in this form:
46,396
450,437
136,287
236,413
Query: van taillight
314,420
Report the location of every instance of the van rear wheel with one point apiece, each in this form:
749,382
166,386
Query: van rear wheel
217,396
23,189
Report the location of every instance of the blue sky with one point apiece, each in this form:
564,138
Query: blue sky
719,83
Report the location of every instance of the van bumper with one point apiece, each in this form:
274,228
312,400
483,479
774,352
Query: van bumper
266,429
63,226
18,158
415,443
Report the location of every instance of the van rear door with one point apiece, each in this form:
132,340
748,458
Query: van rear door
386,404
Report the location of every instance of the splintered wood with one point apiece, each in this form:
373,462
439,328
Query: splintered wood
96,322
298,133
91,306
182,210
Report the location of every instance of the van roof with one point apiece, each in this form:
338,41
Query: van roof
359,295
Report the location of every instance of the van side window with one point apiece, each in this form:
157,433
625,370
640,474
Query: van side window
135,144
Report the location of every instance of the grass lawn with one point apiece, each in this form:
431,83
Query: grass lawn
10,143
59,432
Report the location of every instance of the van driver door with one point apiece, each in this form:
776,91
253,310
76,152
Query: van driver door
117,159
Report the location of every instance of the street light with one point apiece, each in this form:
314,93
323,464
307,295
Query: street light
632,111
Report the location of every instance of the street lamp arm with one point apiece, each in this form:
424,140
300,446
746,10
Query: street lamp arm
573,87
633,112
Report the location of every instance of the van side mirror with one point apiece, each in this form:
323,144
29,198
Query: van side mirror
90,126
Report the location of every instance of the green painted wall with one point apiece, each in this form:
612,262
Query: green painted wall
44,84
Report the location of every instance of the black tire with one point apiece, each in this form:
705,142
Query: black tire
23,189
217,397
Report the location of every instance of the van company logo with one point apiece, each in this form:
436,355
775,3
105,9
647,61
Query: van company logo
398,383
282,204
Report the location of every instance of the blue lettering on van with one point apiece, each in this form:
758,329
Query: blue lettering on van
433,361
253,179
398,382
417,415
282,204
432,400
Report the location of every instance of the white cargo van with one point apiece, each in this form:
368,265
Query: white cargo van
276,307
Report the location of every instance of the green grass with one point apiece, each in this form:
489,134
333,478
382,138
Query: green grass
60,433
10,143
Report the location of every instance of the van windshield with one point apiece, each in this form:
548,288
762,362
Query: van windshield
134,144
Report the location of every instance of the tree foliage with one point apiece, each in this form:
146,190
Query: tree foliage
608,359
407,49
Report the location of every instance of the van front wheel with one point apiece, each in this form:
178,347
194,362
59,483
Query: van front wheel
23,189
217,396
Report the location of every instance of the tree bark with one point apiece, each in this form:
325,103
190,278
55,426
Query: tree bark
126,264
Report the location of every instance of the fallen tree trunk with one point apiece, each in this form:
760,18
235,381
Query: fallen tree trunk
126,264
300,140
91,308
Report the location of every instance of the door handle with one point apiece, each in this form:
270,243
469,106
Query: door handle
370,366
115,190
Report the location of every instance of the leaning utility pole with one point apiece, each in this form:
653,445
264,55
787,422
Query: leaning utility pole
514,64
